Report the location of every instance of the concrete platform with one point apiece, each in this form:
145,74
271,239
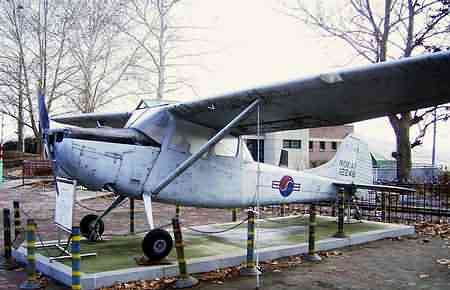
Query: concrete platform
277,238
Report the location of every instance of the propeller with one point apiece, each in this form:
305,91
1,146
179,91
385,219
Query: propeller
44,121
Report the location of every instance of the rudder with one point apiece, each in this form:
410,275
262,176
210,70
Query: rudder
352,163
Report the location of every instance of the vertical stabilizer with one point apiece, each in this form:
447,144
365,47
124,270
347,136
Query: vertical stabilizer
352,163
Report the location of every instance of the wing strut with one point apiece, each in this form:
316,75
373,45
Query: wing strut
188,162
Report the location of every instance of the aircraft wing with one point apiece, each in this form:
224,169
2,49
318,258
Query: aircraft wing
92,120
331,99
378,187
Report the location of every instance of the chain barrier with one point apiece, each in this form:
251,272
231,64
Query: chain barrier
284,222
217,232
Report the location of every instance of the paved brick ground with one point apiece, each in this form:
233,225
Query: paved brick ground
383,265
380,265
37,202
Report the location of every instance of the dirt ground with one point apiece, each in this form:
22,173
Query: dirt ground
408,263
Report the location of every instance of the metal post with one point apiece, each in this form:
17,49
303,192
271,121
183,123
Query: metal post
282,210
7,234
234,214
1,157
312,255
186,280
383,206
31,282
341,209
17,222
76,259
131,215
433,154
250,266
178,211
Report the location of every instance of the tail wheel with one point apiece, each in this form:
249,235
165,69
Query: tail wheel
89,230
157,244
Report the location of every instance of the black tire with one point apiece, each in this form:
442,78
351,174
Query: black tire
157,244
87,227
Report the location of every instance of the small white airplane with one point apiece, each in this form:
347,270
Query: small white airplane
191,153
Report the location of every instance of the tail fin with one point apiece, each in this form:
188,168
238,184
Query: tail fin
352,163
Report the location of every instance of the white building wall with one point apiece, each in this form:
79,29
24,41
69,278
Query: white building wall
298,159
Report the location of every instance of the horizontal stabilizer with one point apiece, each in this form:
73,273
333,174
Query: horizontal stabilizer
379,187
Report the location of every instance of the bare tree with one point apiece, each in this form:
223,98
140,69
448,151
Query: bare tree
102,55
33,44
378,31
152,26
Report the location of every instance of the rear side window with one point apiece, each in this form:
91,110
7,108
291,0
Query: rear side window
227,147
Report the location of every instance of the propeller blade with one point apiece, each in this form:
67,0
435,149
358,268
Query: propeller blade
44,121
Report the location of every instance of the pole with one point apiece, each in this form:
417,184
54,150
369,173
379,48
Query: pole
250,265
131,215
341,209
433,157
17,222
312,255
76,259
7,234
1,162
31,282
234,215
178,211
186,280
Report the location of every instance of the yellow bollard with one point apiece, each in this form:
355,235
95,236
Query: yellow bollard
186,280
250,267
17,222
341,208
76,259
312,255
31,282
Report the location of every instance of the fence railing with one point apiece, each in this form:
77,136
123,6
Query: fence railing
429,203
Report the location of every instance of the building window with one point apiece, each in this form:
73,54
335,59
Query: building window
322,145
311,146
334,145
292,144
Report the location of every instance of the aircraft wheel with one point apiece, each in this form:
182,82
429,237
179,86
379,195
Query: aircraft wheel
89,230
157,244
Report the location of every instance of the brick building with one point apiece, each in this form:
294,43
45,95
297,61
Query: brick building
324,141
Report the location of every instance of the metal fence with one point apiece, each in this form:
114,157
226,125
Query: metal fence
429,203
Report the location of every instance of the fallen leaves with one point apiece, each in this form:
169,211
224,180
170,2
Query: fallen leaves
330,254
441,230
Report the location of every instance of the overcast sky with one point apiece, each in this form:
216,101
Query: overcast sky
250,43
260,45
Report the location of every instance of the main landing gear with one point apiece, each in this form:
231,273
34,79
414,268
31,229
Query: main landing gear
156,245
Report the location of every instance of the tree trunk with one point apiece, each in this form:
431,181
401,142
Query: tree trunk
401,127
